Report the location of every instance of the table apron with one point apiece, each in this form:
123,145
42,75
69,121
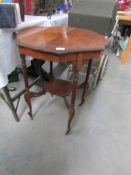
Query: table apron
78,59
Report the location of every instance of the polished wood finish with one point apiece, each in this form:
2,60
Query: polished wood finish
61,45
59,87
49,40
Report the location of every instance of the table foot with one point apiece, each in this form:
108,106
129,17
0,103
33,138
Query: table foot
28,101
31,116
82,102
70,118
68,131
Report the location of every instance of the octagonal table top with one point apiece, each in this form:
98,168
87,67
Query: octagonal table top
61,40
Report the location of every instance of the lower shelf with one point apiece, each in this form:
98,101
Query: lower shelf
59,87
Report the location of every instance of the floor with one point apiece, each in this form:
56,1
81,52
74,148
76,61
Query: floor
100,142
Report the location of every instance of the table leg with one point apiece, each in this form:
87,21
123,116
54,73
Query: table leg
27,94
86,82
72,105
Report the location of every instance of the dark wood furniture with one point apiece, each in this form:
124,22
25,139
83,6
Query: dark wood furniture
61,45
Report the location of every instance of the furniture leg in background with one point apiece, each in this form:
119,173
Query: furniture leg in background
125,55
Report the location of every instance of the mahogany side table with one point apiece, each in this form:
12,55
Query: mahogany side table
60,45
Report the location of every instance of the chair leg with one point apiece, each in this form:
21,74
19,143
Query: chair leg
10,103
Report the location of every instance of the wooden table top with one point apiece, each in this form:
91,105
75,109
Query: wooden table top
61,40
124,19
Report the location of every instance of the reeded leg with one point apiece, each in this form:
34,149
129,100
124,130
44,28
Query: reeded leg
86,82
71,106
